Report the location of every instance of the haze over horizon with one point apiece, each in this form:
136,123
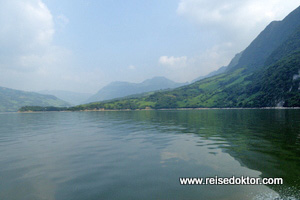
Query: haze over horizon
83,45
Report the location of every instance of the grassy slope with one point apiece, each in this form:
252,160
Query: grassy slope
248,84
270,85
12,100
266,87
204,93
122,89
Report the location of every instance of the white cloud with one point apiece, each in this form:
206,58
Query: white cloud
28,58
188,68
25,24
131,67
234,16
26,33
173,62
62,21
232,24
214,57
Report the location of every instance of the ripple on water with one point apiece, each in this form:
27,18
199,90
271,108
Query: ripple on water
141,155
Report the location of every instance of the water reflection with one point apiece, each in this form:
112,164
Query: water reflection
262,140
141,154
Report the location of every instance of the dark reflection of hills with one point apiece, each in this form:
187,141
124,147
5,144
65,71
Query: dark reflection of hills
263,140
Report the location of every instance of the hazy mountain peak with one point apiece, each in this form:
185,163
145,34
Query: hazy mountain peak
256,54
12,100
265,74
119,89
74,98
155,78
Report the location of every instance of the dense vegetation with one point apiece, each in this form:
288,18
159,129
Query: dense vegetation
41,108
265,74
12,100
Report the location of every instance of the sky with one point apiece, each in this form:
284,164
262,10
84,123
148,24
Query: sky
83,45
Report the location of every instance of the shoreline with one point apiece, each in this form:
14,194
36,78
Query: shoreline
168,109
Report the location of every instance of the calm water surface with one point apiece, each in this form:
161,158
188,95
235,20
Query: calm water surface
142,154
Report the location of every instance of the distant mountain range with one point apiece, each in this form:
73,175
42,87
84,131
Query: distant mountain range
12,100
122,89
74,98
265,74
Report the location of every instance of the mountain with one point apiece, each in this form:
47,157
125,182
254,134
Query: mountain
277,32
213,73
265,74
12,100
122,89
256,54
74,98
222,69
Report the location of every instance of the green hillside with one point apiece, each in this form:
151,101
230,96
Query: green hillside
12,100
277,32
122,89
265,74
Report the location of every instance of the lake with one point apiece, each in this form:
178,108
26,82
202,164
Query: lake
142,154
